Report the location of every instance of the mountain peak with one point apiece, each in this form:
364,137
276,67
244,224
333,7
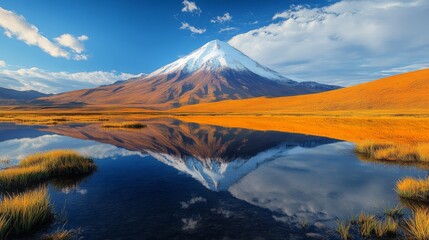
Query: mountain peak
217,55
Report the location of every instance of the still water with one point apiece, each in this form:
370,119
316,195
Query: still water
178,180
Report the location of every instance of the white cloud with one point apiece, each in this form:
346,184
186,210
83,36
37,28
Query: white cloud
2,63
344,43
193,29
227,29
189,6
16,26
56,82
68,40
222,19
75,44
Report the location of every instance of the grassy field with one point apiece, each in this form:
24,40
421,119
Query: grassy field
390,129
403,93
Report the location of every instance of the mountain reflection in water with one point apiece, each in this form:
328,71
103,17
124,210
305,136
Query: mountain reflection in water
216,156
230,175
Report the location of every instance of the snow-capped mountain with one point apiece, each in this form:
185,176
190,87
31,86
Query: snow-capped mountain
214,72
214,56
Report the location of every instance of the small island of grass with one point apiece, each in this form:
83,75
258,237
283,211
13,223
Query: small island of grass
24,212
41,167
127,125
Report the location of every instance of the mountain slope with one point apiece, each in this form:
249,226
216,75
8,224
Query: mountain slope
14,96
408,91
214,72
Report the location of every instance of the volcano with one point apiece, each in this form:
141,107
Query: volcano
214,72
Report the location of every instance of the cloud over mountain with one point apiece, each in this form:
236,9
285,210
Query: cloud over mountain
56,82
347,40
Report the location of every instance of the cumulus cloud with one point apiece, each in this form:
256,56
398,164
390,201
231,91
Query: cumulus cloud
16,26
73,43
191,7
227,29
56,82
2,63
193,29
222,19
344,43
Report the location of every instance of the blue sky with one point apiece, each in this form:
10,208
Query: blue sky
80,43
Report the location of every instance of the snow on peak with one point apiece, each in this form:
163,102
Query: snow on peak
216,55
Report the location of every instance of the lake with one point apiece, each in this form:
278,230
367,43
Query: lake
179,180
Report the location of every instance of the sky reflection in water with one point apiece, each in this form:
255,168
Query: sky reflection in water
181,180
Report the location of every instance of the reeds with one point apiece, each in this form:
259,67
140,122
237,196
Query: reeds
132,125
59,235
343,230
412,188
417,227
367,224
370,226
41,167
395,212
394,152
22,213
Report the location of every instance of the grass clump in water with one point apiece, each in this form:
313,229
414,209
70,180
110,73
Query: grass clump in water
59,235
130,125
395,212
343,230
40,167
394,152
412,188
372,227
417,227
24,212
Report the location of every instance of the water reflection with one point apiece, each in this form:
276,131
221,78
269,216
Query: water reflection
217,157
270,177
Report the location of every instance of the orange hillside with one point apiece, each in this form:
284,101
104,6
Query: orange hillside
405,92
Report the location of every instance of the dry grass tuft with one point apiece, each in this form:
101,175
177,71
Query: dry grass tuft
416,189
394,152
370,226
132,125
367,224
394,212
343,230
417,227
59,235
41,167
22,213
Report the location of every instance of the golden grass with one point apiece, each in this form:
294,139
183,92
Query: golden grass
343,230
40,167
4,227
401,130
411,188
68,116
24,212
59,235
367,224
395,212
371,226
131,125
417,227
403,92
394,152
